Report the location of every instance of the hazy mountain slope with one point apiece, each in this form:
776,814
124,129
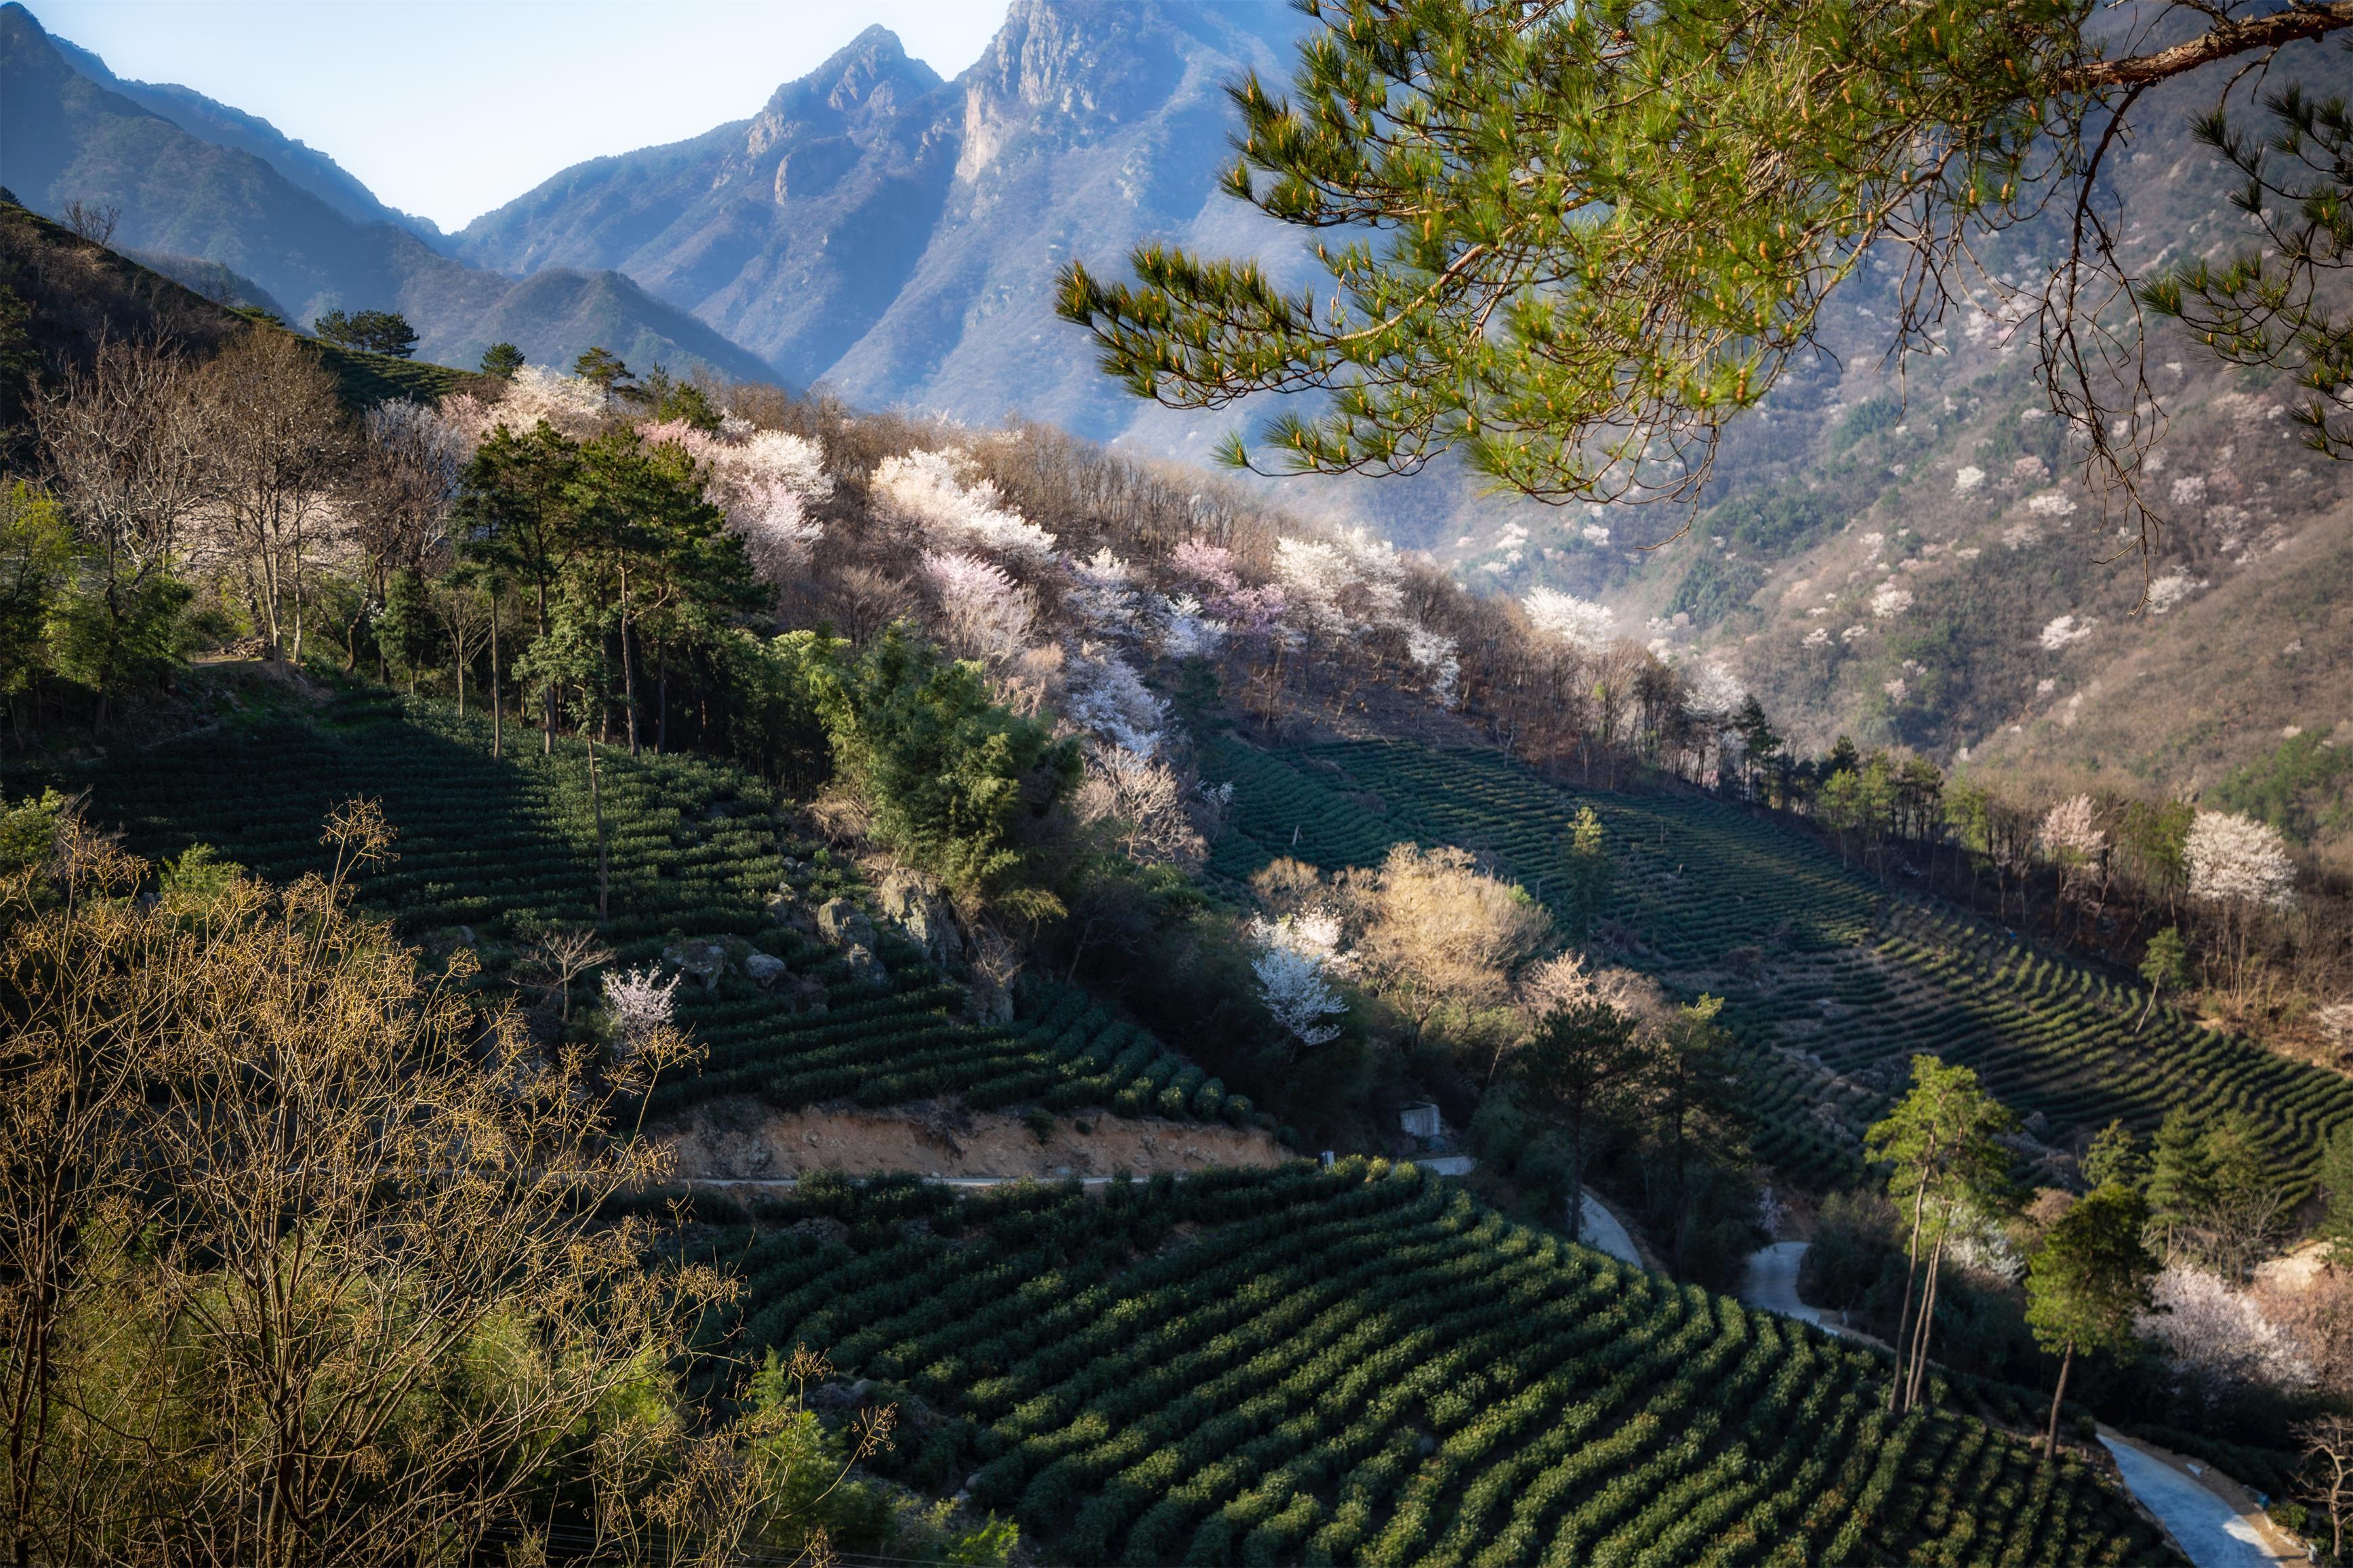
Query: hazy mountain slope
896,235
304,167
64,135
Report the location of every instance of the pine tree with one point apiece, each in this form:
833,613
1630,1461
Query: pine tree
2181,1180
1578,1074
501,360
2115,1159
1583,237
1947,1166
2087,1284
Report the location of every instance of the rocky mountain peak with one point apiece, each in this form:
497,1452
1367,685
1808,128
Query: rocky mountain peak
1068,68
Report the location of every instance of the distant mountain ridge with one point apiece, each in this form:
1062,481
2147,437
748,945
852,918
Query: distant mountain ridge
199,181
895,236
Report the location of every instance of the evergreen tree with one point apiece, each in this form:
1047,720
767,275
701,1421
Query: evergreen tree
406,634
1582,238
1578,1074
2087,1284
1942,1141
604,370
501,360
2337,1192
1589,869
371,332
2115,1159
2181,1179
2164,965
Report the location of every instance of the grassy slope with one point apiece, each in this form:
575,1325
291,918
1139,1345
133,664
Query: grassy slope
1364,1365
1832,983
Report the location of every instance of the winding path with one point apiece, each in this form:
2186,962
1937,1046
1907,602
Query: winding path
2208,1528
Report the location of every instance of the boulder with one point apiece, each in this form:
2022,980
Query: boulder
865,968
764,968
704,961
842,923
988,1002
925,917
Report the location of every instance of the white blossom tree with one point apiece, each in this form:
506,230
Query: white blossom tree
2239,868
1145,803
1585,626
984,613
638,1005
2217,1341
1292,985
928,494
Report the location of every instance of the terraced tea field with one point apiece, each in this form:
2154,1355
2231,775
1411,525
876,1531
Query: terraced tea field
1363,1365
1831,984
697,851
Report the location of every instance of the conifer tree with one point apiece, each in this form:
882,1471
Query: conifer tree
1579,238
2088,1283
1942,1143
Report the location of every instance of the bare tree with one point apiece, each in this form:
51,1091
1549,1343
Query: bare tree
91,221
554,957
124,445
403,485
276,445
1440,932
2327,1442
371,1309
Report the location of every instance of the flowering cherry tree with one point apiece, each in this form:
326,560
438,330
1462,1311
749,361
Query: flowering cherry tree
2235,860
638,1006
1296,954
1584,626
928,492
984,613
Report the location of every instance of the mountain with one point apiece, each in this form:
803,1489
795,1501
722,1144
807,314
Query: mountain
199,182
305,168
895,236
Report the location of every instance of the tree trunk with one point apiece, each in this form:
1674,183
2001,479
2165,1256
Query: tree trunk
1577,1184
628,670
496,706
1927,1325
596,805
1904,1317
2051,1438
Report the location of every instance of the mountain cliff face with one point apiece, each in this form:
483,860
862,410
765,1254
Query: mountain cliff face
199,182
896,235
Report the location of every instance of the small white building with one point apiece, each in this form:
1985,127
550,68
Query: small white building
1420,1120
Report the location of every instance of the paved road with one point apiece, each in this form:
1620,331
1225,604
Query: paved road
2210,1530
1601,1229
1771,1281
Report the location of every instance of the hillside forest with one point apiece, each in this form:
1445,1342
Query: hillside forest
610,963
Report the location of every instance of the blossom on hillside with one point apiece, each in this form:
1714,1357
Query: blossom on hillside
570,405
1296,952
2216,1341
926,491
2169,590
1104,693
984,613
1584,626
1435,653
1890,602
2070,828
2064,631
1342,583
1968,478
638,1003
2050,503
2236,860
1293,990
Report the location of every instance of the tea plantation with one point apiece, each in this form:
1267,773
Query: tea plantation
697,852
1831,983
1362,1365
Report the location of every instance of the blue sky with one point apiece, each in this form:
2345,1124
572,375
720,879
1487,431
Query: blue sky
450,108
